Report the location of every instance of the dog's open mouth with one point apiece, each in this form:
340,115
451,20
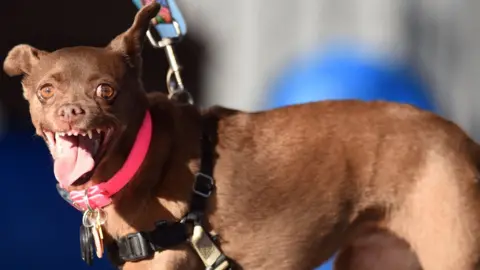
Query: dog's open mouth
76,153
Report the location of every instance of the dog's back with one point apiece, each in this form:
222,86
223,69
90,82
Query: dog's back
352,164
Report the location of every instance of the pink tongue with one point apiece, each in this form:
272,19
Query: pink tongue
73,158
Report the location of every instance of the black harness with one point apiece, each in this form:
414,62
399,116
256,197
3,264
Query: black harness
166,235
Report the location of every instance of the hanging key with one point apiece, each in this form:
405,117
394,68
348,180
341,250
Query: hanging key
86,244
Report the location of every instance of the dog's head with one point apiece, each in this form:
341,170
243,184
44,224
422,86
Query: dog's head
82,99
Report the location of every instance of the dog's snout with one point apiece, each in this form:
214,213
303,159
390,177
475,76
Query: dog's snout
71,112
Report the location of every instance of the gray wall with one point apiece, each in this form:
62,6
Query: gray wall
249,40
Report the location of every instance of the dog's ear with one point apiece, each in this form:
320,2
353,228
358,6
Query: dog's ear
130,43
21,59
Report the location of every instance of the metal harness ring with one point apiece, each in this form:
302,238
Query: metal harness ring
87,200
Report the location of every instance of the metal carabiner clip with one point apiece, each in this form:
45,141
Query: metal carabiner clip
174,80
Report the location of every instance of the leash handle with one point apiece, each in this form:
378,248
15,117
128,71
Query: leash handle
167,17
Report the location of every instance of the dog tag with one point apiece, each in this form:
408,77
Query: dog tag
98,240
86,244
98,235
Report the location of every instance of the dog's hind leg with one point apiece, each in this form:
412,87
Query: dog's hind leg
377,249
439,218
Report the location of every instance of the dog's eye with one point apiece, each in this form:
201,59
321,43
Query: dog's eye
105,91
46,92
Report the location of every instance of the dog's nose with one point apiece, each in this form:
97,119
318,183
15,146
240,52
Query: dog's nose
70,112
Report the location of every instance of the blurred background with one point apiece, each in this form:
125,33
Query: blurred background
245,54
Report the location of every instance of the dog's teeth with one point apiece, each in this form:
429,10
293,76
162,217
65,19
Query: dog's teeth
50,138
99,131
90,134
58,148
75,133
83,134
69,133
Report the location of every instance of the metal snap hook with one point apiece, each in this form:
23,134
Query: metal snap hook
176,91
158,42
175,87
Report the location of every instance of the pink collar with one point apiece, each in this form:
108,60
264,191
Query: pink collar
100,195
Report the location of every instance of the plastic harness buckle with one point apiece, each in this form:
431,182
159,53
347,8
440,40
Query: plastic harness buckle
135,247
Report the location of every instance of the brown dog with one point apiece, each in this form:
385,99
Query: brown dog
387,185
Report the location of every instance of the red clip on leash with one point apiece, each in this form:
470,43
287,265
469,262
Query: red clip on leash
168,15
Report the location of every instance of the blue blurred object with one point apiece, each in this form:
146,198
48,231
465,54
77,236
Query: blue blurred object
342,72
348,72
39,229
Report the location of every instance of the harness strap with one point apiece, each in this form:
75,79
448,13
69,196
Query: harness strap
143,245
204,184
